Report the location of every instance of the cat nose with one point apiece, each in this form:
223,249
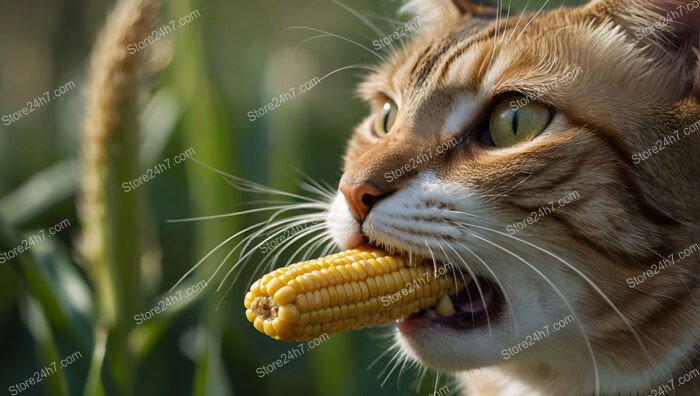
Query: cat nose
361,197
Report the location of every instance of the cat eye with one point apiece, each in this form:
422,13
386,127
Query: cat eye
515,120
383,123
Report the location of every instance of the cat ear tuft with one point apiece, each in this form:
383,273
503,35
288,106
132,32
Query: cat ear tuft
455,8
670,21
663,26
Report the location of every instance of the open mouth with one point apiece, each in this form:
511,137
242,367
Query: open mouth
477,306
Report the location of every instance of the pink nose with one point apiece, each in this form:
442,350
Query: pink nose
360,197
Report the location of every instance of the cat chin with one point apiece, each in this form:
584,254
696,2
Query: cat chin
445,349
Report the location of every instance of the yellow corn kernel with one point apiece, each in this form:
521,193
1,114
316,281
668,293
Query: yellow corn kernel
344,291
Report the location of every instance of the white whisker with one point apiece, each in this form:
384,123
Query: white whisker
531,19
362,18
381,58
584,277
559,293
520,18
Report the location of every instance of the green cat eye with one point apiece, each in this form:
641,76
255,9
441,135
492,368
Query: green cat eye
515,120
384,122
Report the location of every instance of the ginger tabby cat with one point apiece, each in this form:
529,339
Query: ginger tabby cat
553,158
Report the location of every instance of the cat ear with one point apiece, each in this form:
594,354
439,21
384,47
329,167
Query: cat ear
454,8
665,21
665,26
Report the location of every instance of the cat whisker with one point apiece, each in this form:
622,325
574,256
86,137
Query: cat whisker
270,227
329,248
520,18
318,188
322,237
381,58
309,230
361,17
473,277
495,42
394,363
531,19
595,287
437,380
224,215
194,267
249,186
503,35
454,276
306,40
247,254
556,290
421,377
509,303
244,258
261,224
356,66
399,358
314,247
394,22
404,361
469,296
256,273
376,360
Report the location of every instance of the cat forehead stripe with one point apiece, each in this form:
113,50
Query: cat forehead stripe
460,42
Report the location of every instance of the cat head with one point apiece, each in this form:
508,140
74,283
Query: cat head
522,152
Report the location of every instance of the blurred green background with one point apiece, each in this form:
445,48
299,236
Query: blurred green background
199,84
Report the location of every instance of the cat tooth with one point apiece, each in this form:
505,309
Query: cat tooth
444,307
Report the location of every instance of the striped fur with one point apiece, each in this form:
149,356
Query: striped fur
630,93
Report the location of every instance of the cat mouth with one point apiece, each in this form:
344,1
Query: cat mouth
478,306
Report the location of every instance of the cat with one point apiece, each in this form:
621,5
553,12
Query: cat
568,197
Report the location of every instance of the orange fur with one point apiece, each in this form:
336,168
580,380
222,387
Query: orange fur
630,93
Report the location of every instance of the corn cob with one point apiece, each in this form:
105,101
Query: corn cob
342,292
